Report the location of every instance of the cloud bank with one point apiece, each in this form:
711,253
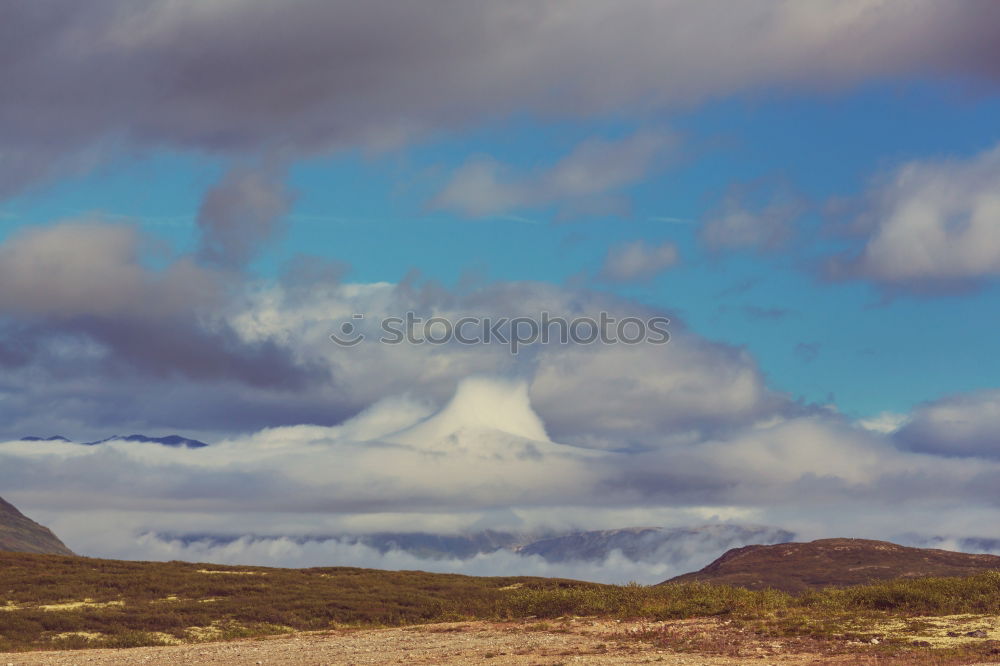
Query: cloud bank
486,457
376,74
103,333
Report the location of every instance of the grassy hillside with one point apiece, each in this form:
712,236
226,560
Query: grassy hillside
797,567
69,602
20,534
80,602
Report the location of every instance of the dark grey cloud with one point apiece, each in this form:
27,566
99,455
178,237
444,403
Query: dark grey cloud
83,82
963,425
586,394
624,430
78,268
91,401
80,304
185,348
95,342
240,214
90,332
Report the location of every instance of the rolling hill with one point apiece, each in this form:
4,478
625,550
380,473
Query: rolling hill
20,534
796,567
60,602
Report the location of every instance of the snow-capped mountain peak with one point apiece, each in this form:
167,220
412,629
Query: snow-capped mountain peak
480,405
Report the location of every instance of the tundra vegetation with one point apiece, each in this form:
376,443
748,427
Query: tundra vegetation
58,602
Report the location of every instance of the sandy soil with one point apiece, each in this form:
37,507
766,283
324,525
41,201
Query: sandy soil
582,641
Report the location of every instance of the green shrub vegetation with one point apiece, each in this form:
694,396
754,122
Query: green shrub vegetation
49,601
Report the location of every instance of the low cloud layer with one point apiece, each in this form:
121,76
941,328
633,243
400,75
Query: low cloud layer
449,469
308,437
661,554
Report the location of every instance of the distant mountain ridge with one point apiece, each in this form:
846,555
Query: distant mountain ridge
678,546
175,441
20,534
797,567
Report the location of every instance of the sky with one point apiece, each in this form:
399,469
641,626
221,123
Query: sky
195,195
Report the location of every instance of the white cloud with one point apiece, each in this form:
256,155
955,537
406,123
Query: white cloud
595,168
646,394
262,354
638,260
884,422
642,391
931,223
742,224
289,552
454,469
600,431
240,214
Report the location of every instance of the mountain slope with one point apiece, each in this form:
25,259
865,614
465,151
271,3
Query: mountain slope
20,534
796,567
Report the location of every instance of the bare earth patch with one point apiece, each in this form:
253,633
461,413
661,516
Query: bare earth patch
75,605
576,641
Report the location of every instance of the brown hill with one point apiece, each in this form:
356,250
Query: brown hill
797,567
20,534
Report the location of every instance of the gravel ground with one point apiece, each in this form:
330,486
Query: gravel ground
580,642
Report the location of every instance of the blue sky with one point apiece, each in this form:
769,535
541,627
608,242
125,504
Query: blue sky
195,195
841,343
